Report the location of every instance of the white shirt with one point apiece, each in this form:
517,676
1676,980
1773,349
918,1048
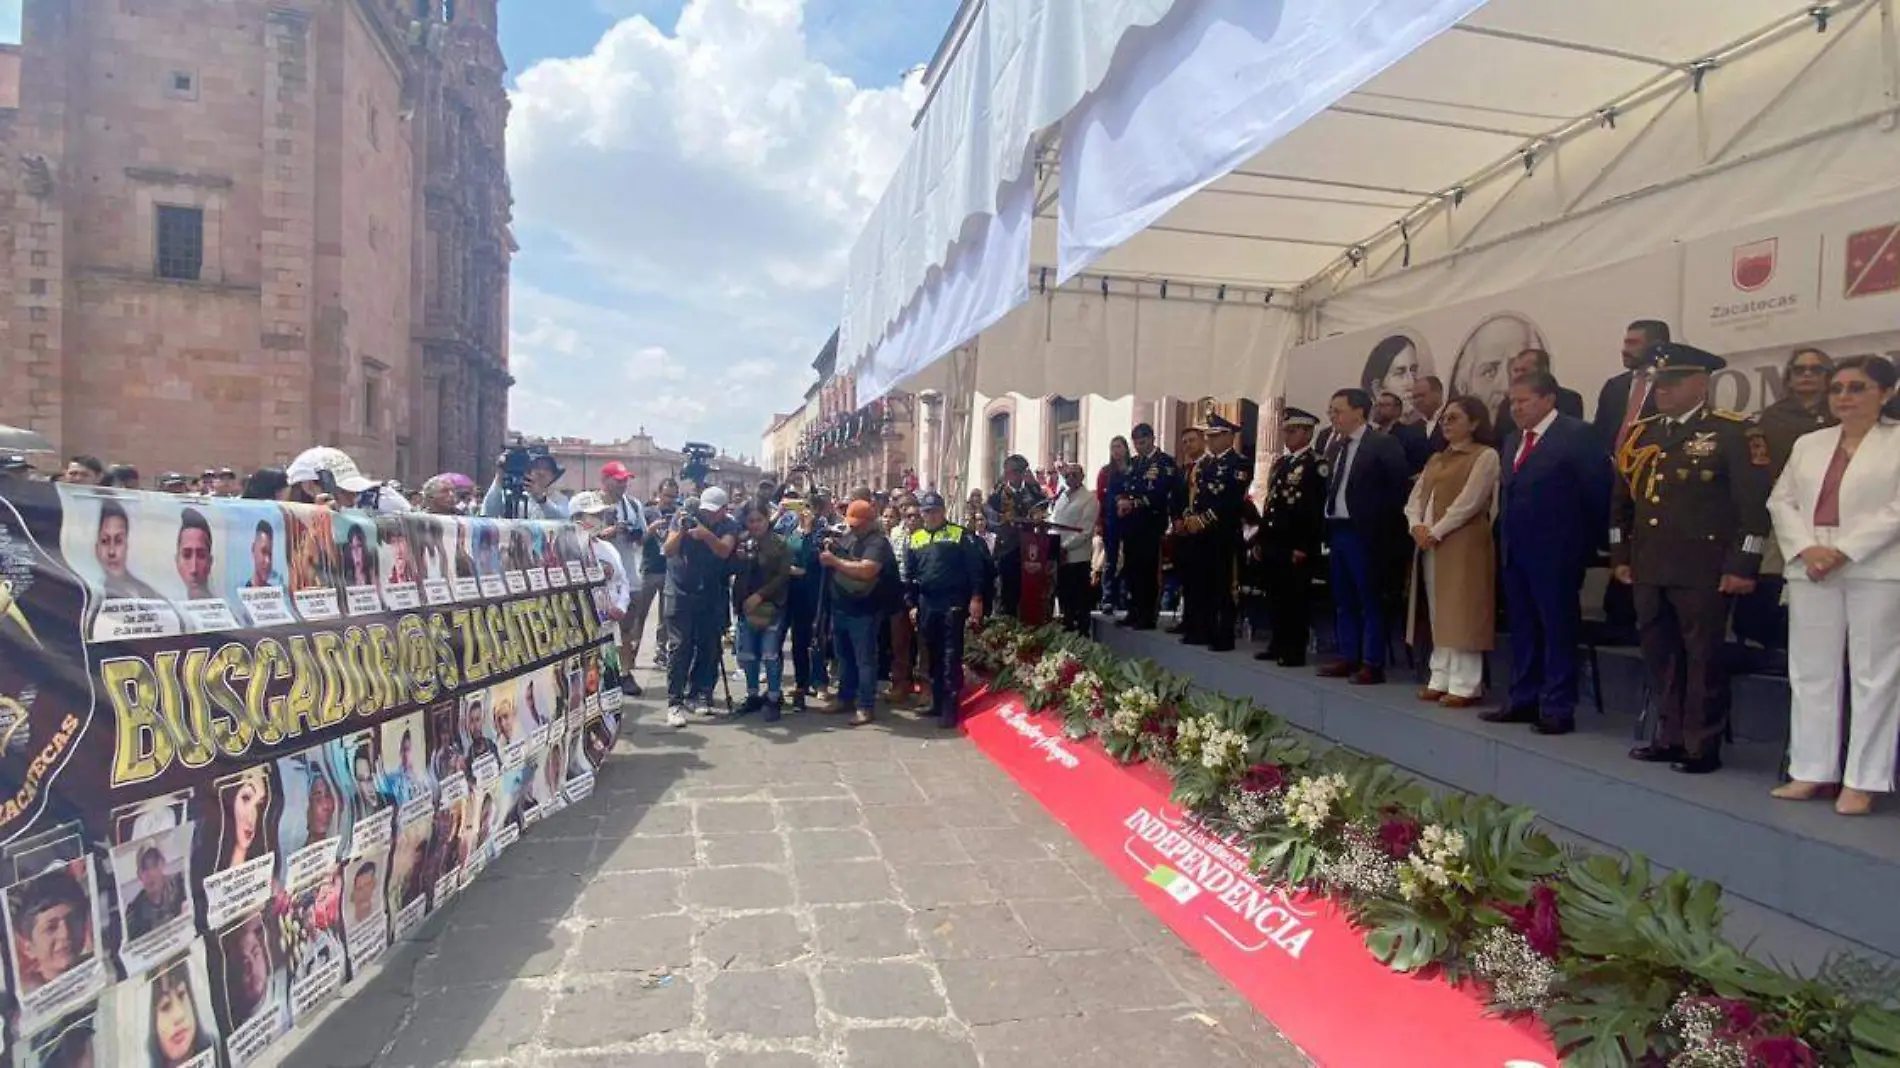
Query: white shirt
1525,442
1479,491
1079,509
1346,455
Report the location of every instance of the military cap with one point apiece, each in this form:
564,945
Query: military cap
929,499
1674,357
1298,417
1216,423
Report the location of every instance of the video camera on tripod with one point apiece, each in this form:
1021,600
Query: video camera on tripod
514,463
698,466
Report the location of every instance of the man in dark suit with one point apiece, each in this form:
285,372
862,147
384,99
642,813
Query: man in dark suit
1387,417
1689,526
1555,495
1368,481
1533,361
1614,415
1428,399
1625,399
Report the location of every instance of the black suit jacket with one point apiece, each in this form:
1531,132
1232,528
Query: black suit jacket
1417,448
1552,508
1569,402
1377,486
1613,403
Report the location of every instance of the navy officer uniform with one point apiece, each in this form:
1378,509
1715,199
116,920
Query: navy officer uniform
1148,488
1211,536
944,572
1286,546
1690,521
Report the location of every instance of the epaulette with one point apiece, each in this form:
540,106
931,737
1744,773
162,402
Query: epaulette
1731,416
1647,419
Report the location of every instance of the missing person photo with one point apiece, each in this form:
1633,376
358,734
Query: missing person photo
166,1020
408,866
312,938
258,576
314,562
52,924
365,919
478,733
446,848
447,757
357,545
491,564
405,775
254,985
431,539
239,877
121,551
399,570
198,592
157,916
78,1041
311,824
464,577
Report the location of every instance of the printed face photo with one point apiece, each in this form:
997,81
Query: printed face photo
365,896
255,544
366,795
313,809
408,868
447,755
169,1017
507,718
398,558
246,832
1483,369
405,774
486,534
151,874
250,964
193,556
120,543
74,1044
356,539
312,547
50,921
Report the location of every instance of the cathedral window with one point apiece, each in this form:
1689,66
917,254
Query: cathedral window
181,242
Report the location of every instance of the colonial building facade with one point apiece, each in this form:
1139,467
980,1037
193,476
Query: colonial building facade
233,229
581,460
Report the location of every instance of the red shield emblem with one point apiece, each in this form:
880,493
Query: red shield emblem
1754,264
1873,261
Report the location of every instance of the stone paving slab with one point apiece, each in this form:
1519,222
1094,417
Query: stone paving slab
798,895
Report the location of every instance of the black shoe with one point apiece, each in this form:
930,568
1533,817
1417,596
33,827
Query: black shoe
1295,661
1178,628
1555,726
1510,715
1143,625
630,688
1193,639
798,702
1124,622
1220,647
1705,764
753,703
774,709
1268,655
1659,754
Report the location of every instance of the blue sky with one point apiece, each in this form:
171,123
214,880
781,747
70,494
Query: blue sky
689,176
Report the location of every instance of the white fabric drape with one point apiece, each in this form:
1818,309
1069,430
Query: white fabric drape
1213,85
1023,65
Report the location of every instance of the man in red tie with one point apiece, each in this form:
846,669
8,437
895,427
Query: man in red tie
1556,485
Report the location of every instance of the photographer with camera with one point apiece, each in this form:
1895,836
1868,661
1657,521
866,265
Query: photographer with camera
864,587
524,485
697,549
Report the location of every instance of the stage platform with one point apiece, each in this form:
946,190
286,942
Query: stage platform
1802,881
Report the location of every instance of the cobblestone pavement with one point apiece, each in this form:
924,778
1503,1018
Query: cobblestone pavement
793,896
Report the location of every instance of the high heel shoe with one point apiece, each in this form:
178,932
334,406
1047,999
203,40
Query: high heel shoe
1804,791
1430,695
1854,803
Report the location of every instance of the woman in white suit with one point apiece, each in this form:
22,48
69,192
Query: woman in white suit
1836,509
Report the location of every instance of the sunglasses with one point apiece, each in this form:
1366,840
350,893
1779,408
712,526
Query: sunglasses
1852,388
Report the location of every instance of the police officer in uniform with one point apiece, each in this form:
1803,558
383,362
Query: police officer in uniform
1185,565
1689,523
1210,534
1287,545
944,570
1143,506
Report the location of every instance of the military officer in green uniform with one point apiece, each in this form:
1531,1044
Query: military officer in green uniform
1210,536
1689,524
1286,545
1143,507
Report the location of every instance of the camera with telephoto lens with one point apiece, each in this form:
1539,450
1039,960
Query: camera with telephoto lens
829,537
698,465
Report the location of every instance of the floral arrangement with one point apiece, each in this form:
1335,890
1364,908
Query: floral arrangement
1623,967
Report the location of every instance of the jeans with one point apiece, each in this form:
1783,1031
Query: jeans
634,625
694,623
856,638
761,645
808,666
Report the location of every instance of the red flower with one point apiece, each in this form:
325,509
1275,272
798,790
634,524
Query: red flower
1397,836
1264,779
1538,921
1070,669
1738,1017
1028,656
1782,1051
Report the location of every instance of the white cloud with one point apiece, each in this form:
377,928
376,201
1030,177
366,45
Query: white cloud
686,203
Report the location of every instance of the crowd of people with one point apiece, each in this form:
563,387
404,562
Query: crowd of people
1428,523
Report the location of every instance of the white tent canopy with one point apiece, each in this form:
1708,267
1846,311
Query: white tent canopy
1532,139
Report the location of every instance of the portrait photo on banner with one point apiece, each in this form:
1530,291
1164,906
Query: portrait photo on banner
365,911
356,541
257,564
1483,366
491,565
408,884
123,546
432,539
151,874
314,562
400,578
53,938
80,1040
244,862
448,760
166,1019
405,775
311,932
311,826
253,984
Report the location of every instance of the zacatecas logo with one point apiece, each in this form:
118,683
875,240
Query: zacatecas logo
1754,264
1186,862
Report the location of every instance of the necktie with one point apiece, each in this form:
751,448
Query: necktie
1639,396
1530,442
1336,460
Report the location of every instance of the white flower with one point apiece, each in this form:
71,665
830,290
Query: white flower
1695,1020
1310,801
1434,863
1223,749
1251,809
1361,867
1520,977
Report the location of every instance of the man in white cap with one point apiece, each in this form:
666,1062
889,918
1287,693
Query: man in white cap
591,513
326,475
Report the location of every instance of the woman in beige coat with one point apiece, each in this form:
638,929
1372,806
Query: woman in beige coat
1450,519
